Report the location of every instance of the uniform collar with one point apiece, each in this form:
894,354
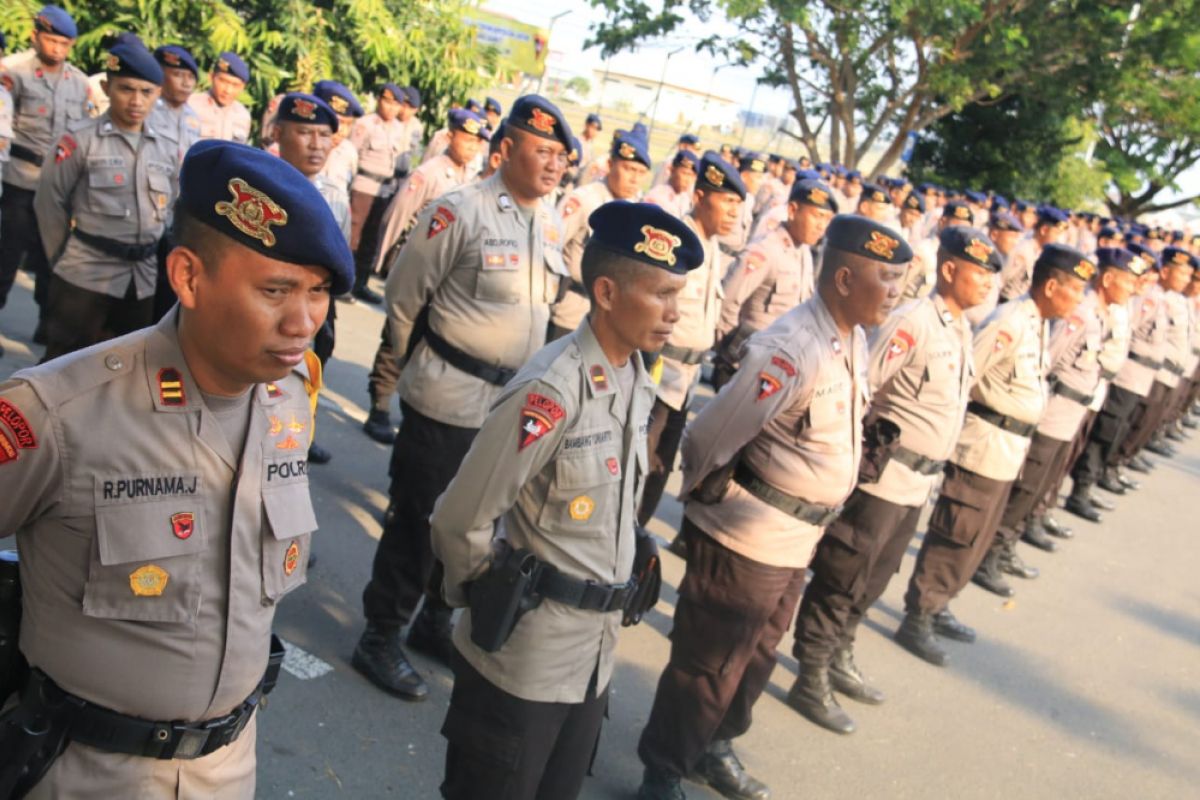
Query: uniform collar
943,312
106,127
495,186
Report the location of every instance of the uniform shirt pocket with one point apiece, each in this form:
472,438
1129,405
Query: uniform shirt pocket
107,193
286,543
160,193
499,273
583,496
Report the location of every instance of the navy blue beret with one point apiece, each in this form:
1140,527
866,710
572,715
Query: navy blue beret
1049,215
460,119
926,188
133,61
689,138
809,175
1004,221
812,193
774,158
52,19
854,175
390,91
536,115
1062,258
957,210
1111,233
824,171
493,105
124,37
594,119
573,152
627,147
307,109
340,98
646,233
411,96
1178,257
715,173
860,236
686,156
473,105
264,203
974,196
1122,259
232,64
172,55
752,162
1022,205
872,193
914,202
969,244
3,41
999,203
1146,253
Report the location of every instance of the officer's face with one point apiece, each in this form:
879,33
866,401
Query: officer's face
872,290
306,147
1049,234
910,217
1176,277
1062,292
226,88
531,166
683,177
806,223
967,283
130,100
463,147
405,112
345,125
717,212
248,319
873,210
1005,241
625,178
178,85
1118,285
643,308
51,48
388,106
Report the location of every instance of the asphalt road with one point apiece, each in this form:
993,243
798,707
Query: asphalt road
1085,685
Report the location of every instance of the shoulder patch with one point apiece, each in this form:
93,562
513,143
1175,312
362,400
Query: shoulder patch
23,435
781,363
415,181
900,343
768,385
570,206
538,417
442,218
1003,340
66,146
755,258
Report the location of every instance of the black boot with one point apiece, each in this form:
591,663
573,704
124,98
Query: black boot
916,636
847,678
1102,503
812,696
379,426
947,625
430,633
724,771
1140,463
989,576
1175,434
1035,535
1126,481
1056,528
1109,481
380,657
1160,447
318,454
1013,564
659,785
678,546
1080,505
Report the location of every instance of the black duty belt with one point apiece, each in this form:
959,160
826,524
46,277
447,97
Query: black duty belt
728,250
684,355
1072,394
793,506
375,176
25,154
1004,423
1108,374
577,288
1173,368
581,594
111,247
113,732
497,376
917,462
1145,361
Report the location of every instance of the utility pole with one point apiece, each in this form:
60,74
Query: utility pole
549,31
657,94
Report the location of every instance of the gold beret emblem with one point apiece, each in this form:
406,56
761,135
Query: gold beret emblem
978,250
818,197
881,245
471,126
222,65
171,58
305,109
962,212
339,104
113,63
1085,270
542,121
1138,265
756,165
714,176
627,152
252,212
658,244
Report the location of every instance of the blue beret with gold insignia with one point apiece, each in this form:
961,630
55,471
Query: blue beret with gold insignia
340,98
874,193
173,55
1049,215
133,61
390,91
627,147
1145,252
973,196
264,203
1178,257
1061,258
473,105
1122,259
813,193
493,105
957,210
718,175
686,157
536,115
307,109
752,162
1004,221
594,119
860,236
53,19
969,244
468,122
232,64
646,233
689,138
914,202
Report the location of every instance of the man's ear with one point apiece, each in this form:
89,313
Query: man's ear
184,269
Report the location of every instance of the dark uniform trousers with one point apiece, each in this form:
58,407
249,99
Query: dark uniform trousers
1145,421
961,529
502,747
1104,442
1176,402
731,614
21,242
1075,454
425,457
366,220
662,443
1043,464
855,560
77,318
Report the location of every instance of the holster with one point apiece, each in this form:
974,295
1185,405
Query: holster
501,596
880,438
32,735
13,668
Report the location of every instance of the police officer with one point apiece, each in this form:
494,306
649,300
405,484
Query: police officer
689,143
772,192
920,376
875,203
675,196
1009,395
1178,266
561,458
752,171
434,178
719,199
342,164
766,464
1006,232
172,112
222,116
102,205
468,302
629,164
493,112
588,146
1050,228
386,141
773,275
48,95
154,551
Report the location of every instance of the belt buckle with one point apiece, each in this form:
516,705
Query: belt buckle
829,516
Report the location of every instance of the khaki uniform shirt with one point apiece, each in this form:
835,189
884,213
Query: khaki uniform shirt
384,149
339,202
772,276
1148,339
6,131
1113,351
574,209
733,243
1011,361
770,194
1017,273
342,164
1178,338
699,309
921,275
105,186
44,106
677,204
152,555
560,461
488,272
921,372
182,123
231,122
429,181
794,411
1193,360
1075,346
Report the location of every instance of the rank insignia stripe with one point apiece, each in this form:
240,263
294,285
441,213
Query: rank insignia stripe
599,378
170,387
148,581
8,450
785,366
273,391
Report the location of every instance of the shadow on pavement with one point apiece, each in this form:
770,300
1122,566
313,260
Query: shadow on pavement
1177,624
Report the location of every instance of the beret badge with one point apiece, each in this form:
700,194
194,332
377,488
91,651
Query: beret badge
471,126
171,58
714,176
113,63
304,108
541,121
978,250
1085,270
339,104
818,196
658,244
252,212
881,245
626,151
962,212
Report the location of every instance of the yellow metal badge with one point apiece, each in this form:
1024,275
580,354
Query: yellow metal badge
581,508
148,581
252,212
